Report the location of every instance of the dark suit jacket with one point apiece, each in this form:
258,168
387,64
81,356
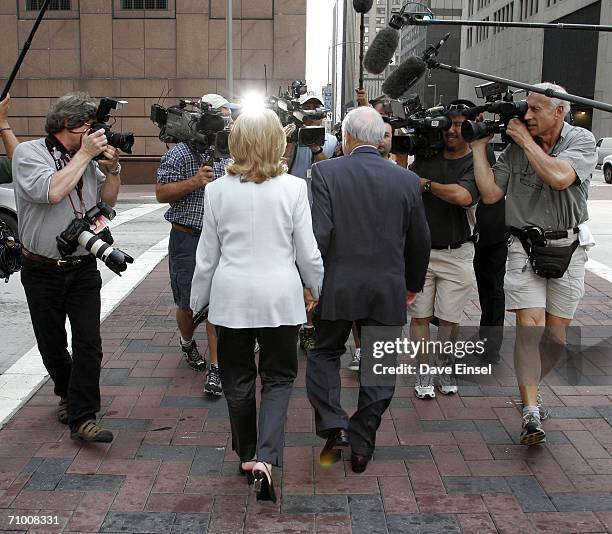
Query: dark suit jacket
370,224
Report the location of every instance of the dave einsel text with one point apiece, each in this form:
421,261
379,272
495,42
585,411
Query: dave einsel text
33,520
426,369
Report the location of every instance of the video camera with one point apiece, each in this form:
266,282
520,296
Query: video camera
122,141
81,232
498,101
289,110
196,124
10,252
422,128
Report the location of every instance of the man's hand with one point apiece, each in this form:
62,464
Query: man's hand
93,143
111,160
410,298
480,143
289,130
4,111
362,97
309,301
204,176
519,133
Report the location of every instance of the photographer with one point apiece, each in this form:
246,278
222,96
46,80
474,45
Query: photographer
545,176
56,180
301,162
448,188
182,176
9,140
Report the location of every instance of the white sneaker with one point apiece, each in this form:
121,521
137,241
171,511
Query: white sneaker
447,384
423,386
256,349
354,365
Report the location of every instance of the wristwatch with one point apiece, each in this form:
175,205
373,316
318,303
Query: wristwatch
116,171
317,152
427,187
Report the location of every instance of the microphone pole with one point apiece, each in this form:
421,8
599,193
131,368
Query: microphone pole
24,50
433,64
361,49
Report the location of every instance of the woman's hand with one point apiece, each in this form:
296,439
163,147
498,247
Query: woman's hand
309,301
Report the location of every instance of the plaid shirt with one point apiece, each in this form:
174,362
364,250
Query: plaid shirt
181,163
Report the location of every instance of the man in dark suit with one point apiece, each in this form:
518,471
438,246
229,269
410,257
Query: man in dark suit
374,262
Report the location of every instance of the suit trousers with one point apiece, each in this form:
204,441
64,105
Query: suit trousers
277,371
490,268
323,386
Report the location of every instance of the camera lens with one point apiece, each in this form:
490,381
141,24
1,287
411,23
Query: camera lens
471,130
122,141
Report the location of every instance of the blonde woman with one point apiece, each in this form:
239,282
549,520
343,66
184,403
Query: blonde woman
257,265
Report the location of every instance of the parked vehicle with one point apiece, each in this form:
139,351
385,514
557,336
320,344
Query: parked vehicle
607,169
604,149
8,210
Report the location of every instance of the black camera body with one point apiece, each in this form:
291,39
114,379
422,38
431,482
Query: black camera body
194,123
289,110
122,141
10,252
79,232
422,128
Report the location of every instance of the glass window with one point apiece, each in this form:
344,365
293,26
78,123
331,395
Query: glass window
58,5
144,4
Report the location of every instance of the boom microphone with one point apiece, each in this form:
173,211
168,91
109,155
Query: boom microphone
404,77
362,6
381,50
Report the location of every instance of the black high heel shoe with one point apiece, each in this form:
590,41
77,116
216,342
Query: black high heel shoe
262,476
247,472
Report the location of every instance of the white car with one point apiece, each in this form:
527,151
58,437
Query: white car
604,149
8,210
607,169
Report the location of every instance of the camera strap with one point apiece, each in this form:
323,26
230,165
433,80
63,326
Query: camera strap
61,157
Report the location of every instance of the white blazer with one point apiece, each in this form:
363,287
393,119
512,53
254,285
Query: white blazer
256,241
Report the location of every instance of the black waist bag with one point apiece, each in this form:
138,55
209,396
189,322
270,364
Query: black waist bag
549,262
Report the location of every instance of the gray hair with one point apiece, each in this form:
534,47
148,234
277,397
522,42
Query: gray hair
556,102
70,111
364,124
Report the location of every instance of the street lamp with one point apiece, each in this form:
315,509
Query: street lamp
435,92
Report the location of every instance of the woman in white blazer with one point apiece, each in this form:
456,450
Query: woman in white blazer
257,265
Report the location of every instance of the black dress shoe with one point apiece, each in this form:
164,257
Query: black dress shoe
332,452
359,462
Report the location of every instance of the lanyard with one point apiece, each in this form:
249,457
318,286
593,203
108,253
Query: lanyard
61,157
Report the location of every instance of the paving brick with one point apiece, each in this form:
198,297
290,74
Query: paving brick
481,523
96,483
423,523
226,523
208,461
314,504
476,484
457,425
424,477
274,523
332,524
449,460
90,514
513,523
186,523
88,459
575,412
151,451
206,485
414,452
570,459
397,494
502,503
172,477
530,494
138,522
584,501
118,423
133,494
586,445
178,502
498,467
492,431
566,522
48,474
52,500
454,503
378,468
344,486
129,467
367,514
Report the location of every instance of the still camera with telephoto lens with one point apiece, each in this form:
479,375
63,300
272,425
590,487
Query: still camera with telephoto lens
195,123
289,110
10,252
82,231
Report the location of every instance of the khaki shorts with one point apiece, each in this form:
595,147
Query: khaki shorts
525,289
448,284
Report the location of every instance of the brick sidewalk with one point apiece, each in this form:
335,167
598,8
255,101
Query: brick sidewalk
447,465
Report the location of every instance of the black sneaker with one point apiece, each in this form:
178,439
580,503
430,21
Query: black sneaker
532,433
213,382
193,357
90,431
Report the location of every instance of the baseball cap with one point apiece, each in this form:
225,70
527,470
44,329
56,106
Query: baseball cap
217,101
306,98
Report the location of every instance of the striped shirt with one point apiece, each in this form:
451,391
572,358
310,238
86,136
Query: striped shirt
182,163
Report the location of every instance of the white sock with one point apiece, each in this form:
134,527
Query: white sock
534,410
186,343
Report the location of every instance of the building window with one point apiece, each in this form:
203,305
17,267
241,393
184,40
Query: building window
366,39
144,4
380,10
56,5
366,20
